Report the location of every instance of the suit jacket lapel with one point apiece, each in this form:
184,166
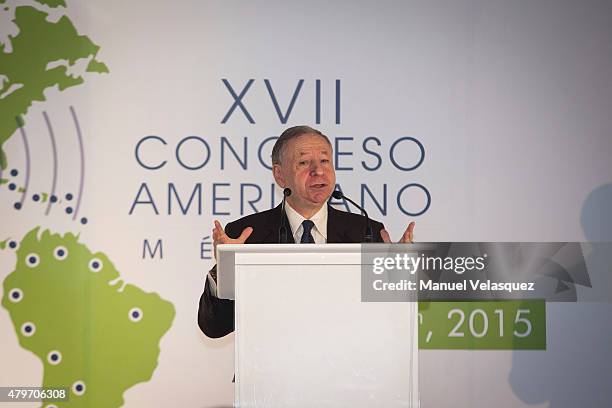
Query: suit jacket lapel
273,226
335,231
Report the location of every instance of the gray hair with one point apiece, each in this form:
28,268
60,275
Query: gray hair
292,133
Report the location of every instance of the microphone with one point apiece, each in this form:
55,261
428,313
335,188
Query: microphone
282,231
367,237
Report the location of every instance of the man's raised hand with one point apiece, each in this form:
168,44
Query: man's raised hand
407,238
220,237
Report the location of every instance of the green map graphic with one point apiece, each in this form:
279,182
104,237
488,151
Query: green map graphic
52,3
24,70
94,334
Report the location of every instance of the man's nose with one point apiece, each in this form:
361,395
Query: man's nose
316,169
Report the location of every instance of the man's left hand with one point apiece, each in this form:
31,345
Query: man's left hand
407,238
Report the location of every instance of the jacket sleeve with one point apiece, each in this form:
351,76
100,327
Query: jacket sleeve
215,316
376,228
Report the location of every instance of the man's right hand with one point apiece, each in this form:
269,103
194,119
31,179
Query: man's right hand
220,237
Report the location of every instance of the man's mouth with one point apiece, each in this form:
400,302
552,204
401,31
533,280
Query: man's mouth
318,185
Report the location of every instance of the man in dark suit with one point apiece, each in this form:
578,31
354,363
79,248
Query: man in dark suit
302,162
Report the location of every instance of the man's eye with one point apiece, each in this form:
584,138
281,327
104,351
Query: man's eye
303,163
325,161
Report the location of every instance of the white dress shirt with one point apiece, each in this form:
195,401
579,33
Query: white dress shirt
319,232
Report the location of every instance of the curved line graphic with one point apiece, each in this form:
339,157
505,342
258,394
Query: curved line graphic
81,181
20,123
54,148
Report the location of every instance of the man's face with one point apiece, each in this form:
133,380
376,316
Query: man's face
306,168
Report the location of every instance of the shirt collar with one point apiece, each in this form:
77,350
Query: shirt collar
319,219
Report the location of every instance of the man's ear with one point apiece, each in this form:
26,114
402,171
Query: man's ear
278,175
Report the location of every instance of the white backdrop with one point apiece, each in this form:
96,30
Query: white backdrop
509,99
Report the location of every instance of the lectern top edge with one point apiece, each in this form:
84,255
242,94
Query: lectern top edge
319,248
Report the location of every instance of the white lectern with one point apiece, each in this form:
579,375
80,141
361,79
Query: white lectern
304,338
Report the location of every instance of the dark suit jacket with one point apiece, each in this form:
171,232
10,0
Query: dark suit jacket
216,316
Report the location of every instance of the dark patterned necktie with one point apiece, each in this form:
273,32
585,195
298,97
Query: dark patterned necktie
307,237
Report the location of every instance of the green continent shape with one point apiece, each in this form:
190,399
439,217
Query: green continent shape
83,315
38,43
52,3
97,66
